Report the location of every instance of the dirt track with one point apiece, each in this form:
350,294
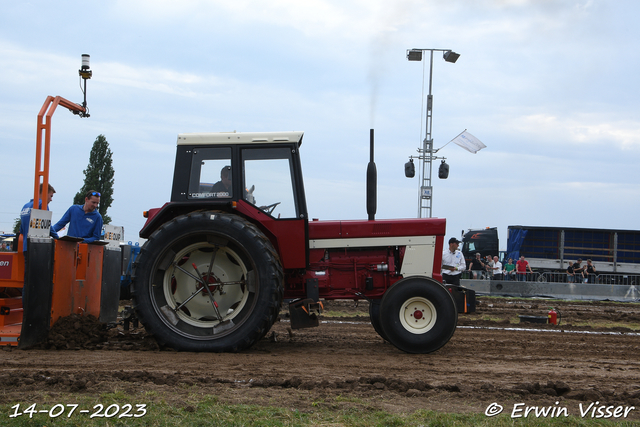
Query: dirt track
345,363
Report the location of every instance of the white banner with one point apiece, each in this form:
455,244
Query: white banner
114,235
39,223
469,142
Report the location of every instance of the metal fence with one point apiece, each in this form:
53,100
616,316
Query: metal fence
558,277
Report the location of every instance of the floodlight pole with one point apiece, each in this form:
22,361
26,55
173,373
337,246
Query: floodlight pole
426,152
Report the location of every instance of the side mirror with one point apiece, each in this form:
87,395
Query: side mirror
409,169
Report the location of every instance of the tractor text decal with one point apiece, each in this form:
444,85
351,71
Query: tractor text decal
40,223
5,266
109,235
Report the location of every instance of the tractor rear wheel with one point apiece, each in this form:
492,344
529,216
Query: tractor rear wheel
208,281
418,315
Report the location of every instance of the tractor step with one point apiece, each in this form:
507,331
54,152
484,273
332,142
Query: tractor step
464,298
304,313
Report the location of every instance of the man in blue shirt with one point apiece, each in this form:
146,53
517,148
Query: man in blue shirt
25,215
84,220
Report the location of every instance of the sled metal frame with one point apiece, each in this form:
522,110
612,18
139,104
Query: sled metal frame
11,309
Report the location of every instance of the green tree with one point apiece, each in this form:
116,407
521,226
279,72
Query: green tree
98,176
16,225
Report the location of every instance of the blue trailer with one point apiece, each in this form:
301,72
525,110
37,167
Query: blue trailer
555,248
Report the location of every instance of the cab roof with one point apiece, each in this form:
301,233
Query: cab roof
212,138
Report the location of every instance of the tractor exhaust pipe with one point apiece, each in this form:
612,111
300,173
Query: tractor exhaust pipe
372,183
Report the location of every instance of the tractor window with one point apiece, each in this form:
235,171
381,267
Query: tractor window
210,174
268,181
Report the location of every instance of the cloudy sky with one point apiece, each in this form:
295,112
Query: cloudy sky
549,86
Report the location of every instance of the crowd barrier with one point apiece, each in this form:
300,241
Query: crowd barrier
597,291
552,277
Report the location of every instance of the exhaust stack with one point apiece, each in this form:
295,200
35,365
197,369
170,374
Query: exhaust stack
372,183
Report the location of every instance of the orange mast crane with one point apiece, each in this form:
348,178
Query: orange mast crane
44,127
72,263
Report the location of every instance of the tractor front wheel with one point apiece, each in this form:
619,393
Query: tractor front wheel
374,316
418,315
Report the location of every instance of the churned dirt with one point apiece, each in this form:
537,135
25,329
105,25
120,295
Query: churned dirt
492,358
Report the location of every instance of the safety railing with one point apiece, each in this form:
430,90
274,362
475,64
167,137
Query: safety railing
558,277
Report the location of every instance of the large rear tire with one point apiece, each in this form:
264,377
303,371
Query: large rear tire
234,258
418,315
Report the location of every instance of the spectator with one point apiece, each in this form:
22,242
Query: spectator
591,272
571,276
453,263
476,266
497,269
488,266
578,270
509,270
521,269
84,220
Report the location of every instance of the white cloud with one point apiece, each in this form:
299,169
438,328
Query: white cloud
154,79
580,130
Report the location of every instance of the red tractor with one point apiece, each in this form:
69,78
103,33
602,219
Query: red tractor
235,242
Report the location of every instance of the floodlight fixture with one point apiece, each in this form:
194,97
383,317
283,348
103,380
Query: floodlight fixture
84,70
85,74
443,171
450,56
409,169
414,54
85,61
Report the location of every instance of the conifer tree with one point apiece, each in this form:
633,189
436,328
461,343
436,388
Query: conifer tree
98,176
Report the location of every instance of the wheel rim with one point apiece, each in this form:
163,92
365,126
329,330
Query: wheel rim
418,315
185,305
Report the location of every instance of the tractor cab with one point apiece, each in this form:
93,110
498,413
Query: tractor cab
256,175
260,169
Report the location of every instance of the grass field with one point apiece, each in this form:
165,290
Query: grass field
206,411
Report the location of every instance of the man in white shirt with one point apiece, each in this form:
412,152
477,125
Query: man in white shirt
453,263
497,269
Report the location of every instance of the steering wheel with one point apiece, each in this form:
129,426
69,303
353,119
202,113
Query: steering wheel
270,208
